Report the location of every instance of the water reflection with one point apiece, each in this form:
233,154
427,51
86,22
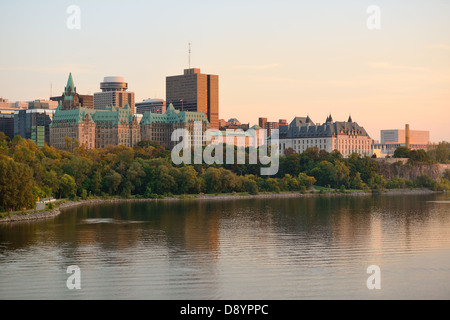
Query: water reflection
257,249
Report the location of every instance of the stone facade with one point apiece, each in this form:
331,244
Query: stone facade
346,137
95,128
159,127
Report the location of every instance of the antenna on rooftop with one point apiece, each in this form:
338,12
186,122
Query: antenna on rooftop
190,44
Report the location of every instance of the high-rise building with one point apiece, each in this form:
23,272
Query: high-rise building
270,126
151,105
195,92
7,124
114,93
34,124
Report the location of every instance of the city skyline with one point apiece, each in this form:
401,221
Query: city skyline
277,60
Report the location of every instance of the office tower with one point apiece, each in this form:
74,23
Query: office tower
195,92
34,124
151,105
7,124
114,93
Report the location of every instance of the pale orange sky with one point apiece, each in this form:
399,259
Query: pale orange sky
277,59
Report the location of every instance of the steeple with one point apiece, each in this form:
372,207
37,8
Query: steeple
350,119
331,118
70,88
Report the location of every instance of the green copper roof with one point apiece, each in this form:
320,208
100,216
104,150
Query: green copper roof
70,85
111,116
173,116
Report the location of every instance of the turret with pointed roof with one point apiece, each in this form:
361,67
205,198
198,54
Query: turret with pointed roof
70,88
70,98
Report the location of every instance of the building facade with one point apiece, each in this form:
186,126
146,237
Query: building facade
393,139
346,137
95,128
160,127
7,124
195,92
92,128
253,137
34,124
152,106
114,93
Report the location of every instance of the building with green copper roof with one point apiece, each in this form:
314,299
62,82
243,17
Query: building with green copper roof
94,128
159,127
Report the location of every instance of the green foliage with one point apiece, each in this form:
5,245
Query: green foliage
146,171
441,153
16,186
402,152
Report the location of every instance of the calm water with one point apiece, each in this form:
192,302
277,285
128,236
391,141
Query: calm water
314,248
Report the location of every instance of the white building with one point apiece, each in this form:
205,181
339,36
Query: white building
345,137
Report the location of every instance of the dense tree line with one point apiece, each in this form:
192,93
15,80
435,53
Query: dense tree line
28,173
438,154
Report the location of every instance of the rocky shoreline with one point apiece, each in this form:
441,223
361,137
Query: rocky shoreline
70,204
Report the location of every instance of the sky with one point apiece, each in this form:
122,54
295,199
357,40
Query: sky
275,59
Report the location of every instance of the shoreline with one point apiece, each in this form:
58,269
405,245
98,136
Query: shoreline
33,216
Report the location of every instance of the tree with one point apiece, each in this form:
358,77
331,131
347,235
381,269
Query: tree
16,186
420,156
111,182
305,180
324,173
402,152
67,187
342,173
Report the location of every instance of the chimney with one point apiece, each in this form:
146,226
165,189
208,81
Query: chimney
407,137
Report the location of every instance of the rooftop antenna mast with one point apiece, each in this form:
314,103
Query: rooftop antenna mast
190,55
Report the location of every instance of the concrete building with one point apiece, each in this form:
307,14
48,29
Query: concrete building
152,106
114,93
270,126
347,137
393,139
7,107
159,127
195,92
252,137
397,136
43,104
234,124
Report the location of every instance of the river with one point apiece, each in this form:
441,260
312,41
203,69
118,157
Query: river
259,249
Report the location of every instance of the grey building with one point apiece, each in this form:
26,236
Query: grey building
7,124
34,124
151,105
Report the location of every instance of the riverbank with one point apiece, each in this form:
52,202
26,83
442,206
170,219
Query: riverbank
98,201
